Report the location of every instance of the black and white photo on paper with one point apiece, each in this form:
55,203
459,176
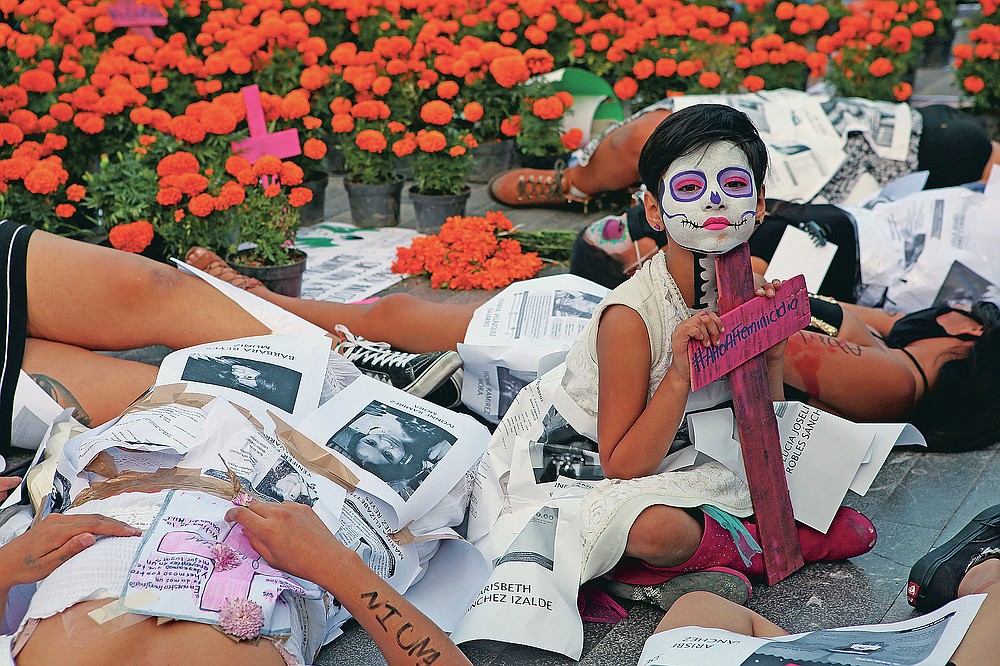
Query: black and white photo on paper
274,384
284,483
574,303
397,447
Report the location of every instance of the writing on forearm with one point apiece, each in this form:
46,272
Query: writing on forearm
418,647
832,343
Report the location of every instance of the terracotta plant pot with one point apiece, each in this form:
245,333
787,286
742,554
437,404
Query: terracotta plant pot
285,280
431,210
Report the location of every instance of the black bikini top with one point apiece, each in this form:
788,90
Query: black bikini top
922,325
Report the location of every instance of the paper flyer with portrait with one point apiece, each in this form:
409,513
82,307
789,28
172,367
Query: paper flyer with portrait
521,333
405,451
928,640
284,373
531,596
365,529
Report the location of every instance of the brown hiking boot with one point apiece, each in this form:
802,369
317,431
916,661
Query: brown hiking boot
530,187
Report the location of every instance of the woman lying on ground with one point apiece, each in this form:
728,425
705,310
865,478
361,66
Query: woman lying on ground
967,564
953,146
289,536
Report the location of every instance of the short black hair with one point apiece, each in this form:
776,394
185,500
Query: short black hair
962,411
694,128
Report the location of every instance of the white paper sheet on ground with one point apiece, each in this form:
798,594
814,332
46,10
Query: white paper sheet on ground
821,452
437,596
880,248
365,529
369,423
887,436
284,371
34,411
531,596
921,283
903,186
277,319
181,562
798,254
928,640
347,263
493,375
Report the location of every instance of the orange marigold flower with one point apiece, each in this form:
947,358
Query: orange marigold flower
291,174
405,146
508,71
340,105
508,19
973,84
431,141
314,149
539,61
342,122
881,67
134,237
178,214
455,151
312,122
65,210
202,205
371,140
643,69
447,89
266,165
37,80
61,111
709,80
565,97
41,179
299,196
272,190
381,85
231,194
89,123
371,110
626,88
10,134
168,196
185,128
902,91
237,163
687,68
599,42
753,83
76,192
190,183
177,163
473,112
510,126
548,108
395,126
571,139
436,112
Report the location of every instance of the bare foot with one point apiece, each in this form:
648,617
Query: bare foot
213,264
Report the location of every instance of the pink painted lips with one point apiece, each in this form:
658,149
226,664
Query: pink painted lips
715,223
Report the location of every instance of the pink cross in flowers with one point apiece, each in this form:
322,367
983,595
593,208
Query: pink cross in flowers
137,18
261,142
232,583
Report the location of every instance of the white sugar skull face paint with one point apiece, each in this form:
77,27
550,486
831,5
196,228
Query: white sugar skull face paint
708,200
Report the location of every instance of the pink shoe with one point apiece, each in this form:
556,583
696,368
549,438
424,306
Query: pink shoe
850,534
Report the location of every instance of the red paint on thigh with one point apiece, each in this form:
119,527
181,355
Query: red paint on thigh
807,365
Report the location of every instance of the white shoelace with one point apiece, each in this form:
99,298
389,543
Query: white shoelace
356,348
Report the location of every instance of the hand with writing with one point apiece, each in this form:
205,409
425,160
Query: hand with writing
705,327
56,538
289,536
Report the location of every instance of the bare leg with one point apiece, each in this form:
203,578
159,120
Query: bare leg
97,298
994,159
615,163
170,644
68,375
982,642
704,609
663,536
405,322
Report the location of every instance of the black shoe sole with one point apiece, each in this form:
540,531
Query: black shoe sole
919,593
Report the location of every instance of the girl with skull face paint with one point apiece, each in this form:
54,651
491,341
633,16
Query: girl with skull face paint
703,168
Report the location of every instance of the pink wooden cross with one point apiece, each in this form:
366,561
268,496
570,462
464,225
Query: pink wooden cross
755,418
234,583
137,18
261,142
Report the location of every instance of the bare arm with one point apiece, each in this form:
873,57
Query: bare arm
633,436
291,537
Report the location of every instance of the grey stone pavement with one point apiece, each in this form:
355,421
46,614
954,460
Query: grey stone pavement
917,501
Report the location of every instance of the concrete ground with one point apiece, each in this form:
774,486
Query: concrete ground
917,501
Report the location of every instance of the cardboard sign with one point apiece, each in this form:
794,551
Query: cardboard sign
751,329
261,142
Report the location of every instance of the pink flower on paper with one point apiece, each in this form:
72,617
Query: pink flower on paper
241,618
243,498
225,558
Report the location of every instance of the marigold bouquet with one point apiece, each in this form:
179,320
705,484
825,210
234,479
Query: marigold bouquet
977,63
469,253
